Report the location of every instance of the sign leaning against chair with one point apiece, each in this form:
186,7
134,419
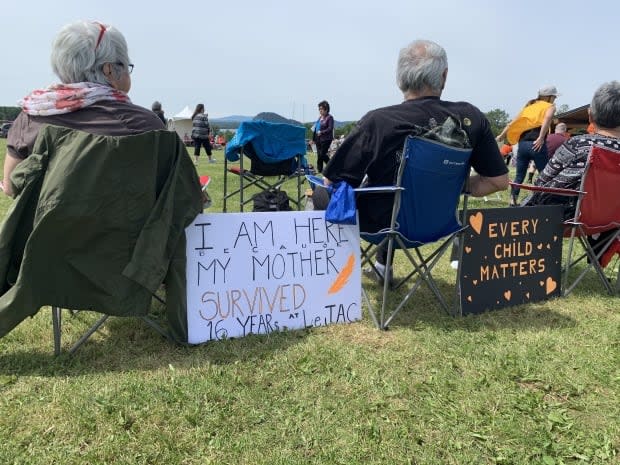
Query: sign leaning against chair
511,256
256,273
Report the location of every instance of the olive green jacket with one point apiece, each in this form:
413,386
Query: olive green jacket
98,224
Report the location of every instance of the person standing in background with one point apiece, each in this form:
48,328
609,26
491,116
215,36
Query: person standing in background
156,107
529,129
201,130
556,139
323,134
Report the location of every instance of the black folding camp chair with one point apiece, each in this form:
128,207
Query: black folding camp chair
276,153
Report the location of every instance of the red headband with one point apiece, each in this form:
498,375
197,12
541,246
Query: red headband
101,33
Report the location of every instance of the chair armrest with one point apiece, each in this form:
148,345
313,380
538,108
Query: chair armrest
378,189
550,190
318,181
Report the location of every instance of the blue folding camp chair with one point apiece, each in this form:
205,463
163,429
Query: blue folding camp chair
430,180
277,154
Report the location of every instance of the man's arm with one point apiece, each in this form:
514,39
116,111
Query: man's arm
479,186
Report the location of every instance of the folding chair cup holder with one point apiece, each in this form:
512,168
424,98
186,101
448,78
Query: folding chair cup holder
430,181
597,211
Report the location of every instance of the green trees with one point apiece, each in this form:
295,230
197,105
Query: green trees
9,113
498,119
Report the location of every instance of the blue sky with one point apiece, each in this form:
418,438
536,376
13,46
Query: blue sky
245,56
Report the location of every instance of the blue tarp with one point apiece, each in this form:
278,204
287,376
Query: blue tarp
272,142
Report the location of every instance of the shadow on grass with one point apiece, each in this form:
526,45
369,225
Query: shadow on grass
423,309
127,344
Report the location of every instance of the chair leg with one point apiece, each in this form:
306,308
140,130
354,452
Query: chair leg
88,334
386,280
593,263
56,326
458,306
565,291
157,327
371,310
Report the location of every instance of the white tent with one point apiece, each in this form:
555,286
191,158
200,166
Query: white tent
182,123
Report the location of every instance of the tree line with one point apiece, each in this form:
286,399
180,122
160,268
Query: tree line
9,113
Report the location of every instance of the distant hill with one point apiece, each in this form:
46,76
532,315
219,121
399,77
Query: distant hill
275,118
229,122
233,121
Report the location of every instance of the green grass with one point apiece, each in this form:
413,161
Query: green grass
535,384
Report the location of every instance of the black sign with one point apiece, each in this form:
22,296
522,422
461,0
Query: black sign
511,256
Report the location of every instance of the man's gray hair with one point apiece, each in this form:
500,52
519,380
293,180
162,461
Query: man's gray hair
605,106
81,48
421,66
560,128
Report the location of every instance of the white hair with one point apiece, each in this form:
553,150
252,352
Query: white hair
560,128
77,57
421,66
605,106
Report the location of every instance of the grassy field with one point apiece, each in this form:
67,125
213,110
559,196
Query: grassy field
535,384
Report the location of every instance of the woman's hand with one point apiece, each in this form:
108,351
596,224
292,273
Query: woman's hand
538,143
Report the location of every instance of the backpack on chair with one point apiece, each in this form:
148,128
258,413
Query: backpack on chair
271,201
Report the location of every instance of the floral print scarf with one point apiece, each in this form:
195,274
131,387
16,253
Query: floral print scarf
66,98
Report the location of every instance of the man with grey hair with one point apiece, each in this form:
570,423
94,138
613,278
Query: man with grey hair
556,139
374,147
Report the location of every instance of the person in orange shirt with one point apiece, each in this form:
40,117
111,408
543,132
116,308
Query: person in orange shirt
506,151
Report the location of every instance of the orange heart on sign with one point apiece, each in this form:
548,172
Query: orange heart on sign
467,249
476,222
507,295
550,285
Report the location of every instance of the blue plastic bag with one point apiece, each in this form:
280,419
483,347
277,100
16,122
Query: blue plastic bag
341,207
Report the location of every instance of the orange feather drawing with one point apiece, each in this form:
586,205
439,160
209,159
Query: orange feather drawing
343,277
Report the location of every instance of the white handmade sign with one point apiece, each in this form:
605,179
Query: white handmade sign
255,273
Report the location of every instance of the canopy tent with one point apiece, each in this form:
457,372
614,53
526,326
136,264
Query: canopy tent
182,123
575,119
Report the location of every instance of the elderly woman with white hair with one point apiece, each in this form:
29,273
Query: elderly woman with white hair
92,61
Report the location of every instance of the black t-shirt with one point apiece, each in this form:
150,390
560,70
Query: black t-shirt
375,145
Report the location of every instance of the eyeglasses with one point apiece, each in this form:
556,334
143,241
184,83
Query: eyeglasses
129,66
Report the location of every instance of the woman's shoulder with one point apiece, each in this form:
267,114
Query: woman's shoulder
582,144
